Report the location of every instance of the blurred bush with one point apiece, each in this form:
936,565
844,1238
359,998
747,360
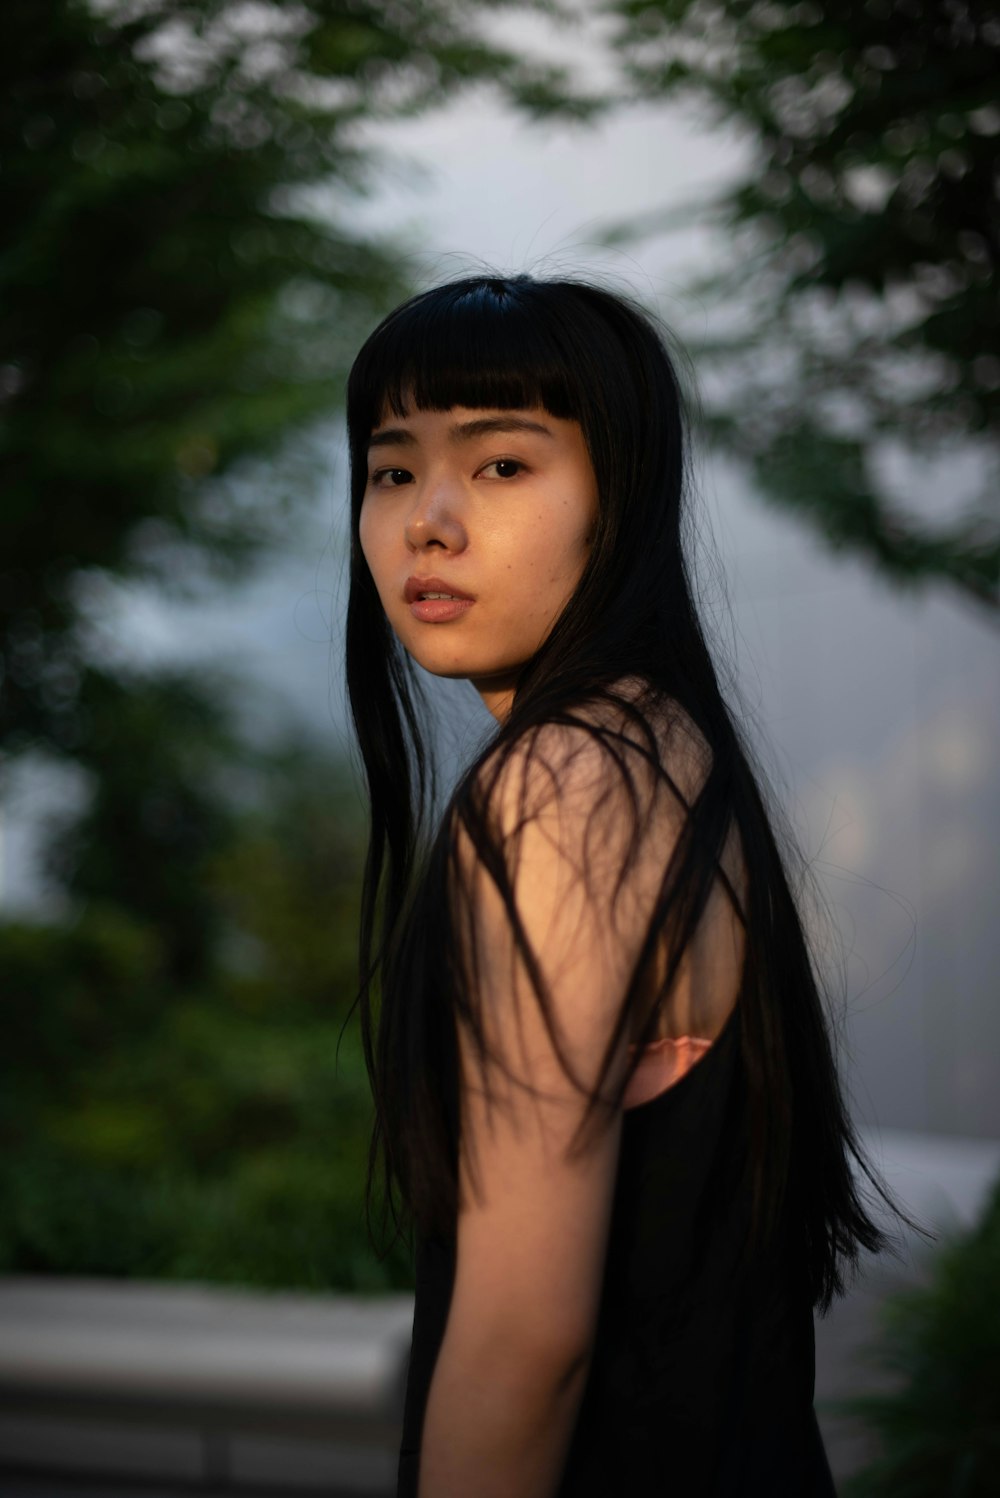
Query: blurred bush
184,286
209,1125
936,1430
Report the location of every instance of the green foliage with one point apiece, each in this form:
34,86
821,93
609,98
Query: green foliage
222,1148
69,995
216,1131
937,1431
181,299
160,753
857,318
175,305
297,858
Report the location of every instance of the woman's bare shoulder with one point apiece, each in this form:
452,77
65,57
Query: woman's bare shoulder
628,747
645,715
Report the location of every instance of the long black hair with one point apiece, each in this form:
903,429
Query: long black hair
583,353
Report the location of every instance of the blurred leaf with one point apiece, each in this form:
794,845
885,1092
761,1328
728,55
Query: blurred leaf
217,1147
177,311
179,316
856,305
226,1110
937,1430
160,752
287,885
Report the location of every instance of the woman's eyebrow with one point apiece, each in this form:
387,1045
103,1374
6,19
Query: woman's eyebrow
391,437
485,426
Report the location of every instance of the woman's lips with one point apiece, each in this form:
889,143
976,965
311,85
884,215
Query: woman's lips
434,601
439,610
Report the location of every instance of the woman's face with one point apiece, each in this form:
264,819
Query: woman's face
495,510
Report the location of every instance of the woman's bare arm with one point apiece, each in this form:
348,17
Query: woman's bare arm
533,1222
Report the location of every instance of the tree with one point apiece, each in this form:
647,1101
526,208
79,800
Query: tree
174,308
181,1098
855,328
161,754
178,311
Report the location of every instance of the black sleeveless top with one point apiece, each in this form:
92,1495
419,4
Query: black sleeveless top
702,1371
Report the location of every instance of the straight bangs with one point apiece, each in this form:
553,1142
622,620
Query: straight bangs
483,346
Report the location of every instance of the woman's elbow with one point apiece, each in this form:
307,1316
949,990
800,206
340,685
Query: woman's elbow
542,1362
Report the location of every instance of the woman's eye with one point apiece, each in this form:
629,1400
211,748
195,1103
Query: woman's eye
390,477
504,468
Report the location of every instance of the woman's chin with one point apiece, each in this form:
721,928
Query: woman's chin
496,676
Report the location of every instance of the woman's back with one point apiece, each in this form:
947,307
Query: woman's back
702,1376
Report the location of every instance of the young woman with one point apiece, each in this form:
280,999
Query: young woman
605,1097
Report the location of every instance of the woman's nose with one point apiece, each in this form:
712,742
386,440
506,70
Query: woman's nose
435,518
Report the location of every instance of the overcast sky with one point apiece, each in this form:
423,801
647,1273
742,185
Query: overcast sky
878,712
